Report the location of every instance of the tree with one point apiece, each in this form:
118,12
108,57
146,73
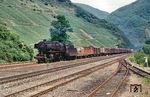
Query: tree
147,41
60,27
139,57
146,47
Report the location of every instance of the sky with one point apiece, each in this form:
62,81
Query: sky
105,5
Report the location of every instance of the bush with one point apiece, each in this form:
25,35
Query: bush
12,49
132,59
147,41
146,48
149,60
139,58
2,61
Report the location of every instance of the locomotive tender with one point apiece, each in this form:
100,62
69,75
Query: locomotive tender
49,51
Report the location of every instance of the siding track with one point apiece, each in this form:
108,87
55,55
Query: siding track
137,70
106,88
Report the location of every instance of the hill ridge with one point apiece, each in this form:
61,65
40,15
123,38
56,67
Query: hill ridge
134,21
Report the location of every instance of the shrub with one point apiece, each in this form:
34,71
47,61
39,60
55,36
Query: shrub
147,41
2,61
139,58
146,48
12,49
149,60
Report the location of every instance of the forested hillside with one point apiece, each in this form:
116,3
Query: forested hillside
98,13
31,20
134,21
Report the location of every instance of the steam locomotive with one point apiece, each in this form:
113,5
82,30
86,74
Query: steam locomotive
50,51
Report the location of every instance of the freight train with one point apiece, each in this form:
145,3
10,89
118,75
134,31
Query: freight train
50,51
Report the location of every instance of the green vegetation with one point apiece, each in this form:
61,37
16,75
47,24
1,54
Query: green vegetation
93,19
98,13
64,0
147,80
103,23
146,47
60,27
86,15
134,21
139,57
31,20
12,49
147,41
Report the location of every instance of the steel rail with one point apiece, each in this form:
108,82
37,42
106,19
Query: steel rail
121,81
16,65
137,70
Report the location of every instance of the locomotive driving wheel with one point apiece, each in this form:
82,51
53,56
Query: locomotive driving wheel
40,58
49,58
58,56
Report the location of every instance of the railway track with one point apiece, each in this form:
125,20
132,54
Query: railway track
32,64
37,73
4,67
137,71
106,89
44,88
111,85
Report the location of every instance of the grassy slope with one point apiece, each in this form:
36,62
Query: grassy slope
134,20
33,26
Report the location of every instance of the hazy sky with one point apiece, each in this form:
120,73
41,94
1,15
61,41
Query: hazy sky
105,5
